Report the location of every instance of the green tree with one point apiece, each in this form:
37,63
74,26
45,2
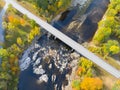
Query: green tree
111,12
76,85
14,49
4,24
102,35
42,4
33,23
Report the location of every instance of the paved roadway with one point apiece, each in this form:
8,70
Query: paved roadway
76,46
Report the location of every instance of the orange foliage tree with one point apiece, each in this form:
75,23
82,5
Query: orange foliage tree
22,22
10,18
91,84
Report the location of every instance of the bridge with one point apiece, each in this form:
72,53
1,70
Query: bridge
76,46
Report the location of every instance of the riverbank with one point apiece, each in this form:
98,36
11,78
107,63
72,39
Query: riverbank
2,13
99,41
2,3
18,29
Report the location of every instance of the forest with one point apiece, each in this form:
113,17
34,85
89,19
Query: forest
19,34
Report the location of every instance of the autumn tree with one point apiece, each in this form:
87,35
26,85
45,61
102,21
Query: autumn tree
111,47
11,27
95,49
111,12
76,85
91,84
33,33
22,22
108,22
19,41
4,24
85,67
116,85
14,49
11,9
3,53
33,23
13,20
102,35
117,31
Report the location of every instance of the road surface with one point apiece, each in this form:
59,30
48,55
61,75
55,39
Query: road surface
76,46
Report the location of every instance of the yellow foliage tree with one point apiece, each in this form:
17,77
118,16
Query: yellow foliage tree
16,21
34,32
19,41
115,49
60,4
85,67
30,37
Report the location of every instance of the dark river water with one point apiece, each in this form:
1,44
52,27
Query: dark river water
46,65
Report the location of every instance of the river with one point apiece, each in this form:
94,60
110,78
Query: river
1,29
45,64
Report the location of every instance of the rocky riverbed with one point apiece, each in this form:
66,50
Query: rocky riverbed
49,61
